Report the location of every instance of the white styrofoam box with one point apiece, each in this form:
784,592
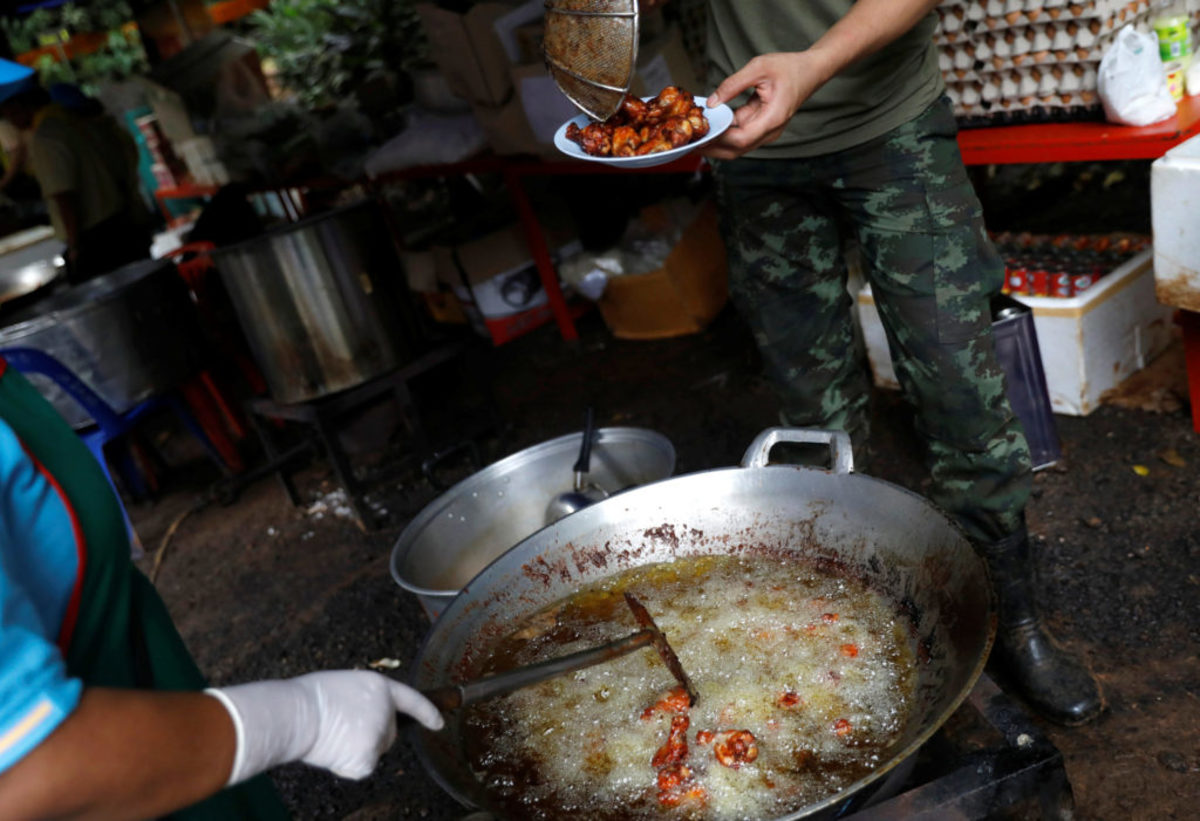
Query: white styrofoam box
1089,343
1175,214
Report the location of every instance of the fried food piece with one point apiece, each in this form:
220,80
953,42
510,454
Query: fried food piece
660,141
625,141
640,127
676,785
673,101
596,140
675,750
634,110
788,699
677,130
733,748
699,122
675,700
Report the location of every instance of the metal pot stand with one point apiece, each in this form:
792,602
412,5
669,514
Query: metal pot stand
323,414
988,758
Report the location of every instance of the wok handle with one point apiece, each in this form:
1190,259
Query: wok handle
759,452
459,695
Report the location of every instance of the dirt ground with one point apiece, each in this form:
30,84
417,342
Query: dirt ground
263,589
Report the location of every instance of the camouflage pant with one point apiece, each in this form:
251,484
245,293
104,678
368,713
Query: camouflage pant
906,200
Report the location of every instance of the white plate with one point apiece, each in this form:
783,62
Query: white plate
719,119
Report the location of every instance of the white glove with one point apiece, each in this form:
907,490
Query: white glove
341,720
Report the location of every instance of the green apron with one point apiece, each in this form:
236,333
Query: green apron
123,635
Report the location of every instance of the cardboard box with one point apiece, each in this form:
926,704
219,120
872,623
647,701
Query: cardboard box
1174,202
420,270
497,282
475,50
680,298
1089,343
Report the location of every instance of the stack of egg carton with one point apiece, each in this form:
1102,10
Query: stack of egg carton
1029,60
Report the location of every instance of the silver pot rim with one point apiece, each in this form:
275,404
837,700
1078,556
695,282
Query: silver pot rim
410,536
290,228
412,533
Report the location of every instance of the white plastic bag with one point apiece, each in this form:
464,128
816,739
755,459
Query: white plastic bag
1132,81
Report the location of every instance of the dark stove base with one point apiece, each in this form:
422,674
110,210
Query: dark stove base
989,760
323,416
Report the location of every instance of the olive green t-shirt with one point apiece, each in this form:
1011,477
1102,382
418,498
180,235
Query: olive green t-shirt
868,98
70,154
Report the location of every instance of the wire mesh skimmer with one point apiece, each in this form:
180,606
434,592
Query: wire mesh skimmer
591,51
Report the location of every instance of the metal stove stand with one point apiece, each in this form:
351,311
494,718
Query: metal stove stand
324,415
988,761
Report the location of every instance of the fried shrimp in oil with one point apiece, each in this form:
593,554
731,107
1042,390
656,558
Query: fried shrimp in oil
676,700
733,748
675,750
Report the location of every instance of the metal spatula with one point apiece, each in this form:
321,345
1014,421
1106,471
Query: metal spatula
459,695
590,48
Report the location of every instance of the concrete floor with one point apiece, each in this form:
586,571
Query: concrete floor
263,589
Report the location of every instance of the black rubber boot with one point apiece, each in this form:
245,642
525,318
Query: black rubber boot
1054,683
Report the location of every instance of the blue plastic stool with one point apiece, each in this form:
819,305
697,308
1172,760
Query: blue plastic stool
110,425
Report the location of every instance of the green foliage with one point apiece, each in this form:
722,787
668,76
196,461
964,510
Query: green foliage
75,18
92,15
324,49
22,32
109,15
120,57
51,71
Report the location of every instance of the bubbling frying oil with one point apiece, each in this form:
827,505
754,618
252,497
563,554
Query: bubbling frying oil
817,667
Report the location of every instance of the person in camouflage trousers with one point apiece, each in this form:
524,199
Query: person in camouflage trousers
906,200
841,131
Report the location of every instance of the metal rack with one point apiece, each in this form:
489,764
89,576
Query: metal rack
989,757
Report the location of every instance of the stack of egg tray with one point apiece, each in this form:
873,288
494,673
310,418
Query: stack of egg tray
1012,61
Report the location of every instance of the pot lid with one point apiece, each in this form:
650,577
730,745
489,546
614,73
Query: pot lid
590,48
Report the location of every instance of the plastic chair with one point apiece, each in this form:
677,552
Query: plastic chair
110,425
194,262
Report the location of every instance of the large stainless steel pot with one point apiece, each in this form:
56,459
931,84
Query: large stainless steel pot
315,301
127,335
30,267
463,530
894,540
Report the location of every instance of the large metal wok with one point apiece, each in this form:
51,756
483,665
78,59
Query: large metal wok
892,539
